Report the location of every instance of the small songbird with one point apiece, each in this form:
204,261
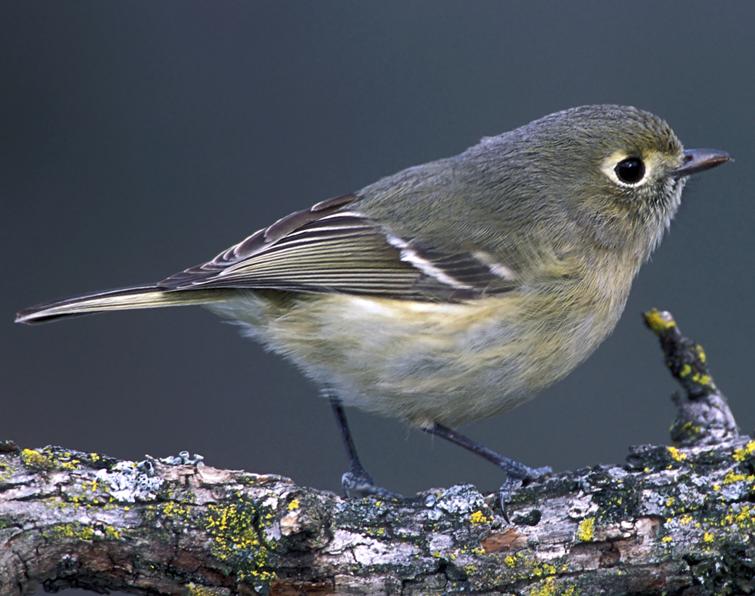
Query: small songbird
453,290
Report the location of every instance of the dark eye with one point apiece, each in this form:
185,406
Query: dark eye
630,170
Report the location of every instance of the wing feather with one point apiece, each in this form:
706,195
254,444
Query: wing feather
331,247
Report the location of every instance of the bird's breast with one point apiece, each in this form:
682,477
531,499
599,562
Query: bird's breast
430,362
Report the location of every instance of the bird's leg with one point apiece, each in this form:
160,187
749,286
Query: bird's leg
355,482
516,472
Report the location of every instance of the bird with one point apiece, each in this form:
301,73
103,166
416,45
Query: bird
453,290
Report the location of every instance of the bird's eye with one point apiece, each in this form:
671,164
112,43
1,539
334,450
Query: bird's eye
630,170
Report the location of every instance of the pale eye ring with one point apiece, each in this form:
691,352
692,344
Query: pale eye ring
630,171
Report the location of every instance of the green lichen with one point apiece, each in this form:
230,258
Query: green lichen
238,541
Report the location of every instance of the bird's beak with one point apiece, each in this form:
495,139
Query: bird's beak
697,160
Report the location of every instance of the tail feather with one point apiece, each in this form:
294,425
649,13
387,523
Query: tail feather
112,300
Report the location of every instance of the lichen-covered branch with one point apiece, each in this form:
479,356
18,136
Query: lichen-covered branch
671,519
703,414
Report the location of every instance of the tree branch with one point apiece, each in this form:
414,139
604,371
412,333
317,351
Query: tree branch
671,519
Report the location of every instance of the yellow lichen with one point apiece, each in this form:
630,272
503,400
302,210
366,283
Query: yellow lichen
704,380
90,485
478,517
659,320
667,539
236,540
675,454
547,588
708,537
193,589
685,371
732,477
543,570
509,561
85,532
112,533
293,505
685,519
175,509
670,501
743,518
586,529
716,487
743,453
689,427
5,471
700,353
45,459
34,459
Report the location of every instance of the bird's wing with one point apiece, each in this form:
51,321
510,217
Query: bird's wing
331,247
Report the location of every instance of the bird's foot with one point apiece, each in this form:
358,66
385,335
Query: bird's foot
360,484
534,474
515,479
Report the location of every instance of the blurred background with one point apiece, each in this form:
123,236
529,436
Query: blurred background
139,138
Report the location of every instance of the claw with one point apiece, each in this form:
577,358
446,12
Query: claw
506,491
361,485
538,473
513,483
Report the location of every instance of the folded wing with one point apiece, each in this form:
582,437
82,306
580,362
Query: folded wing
331,247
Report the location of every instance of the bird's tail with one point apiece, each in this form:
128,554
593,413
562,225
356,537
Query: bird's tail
124,299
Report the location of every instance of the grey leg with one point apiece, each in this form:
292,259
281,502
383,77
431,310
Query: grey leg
355,482
510,466
516,472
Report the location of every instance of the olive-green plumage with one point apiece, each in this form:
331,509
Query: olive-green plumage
459,288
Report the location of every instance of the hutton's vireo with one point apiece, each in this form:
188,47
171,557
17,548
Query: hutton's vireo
453,290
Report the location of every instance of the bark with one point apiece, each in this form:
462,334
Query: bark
671,519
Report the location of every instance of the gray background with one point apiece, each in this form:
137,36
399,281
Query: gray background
139,138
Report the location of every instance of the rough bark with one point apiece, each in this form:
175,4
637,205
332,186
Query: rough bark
673,519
